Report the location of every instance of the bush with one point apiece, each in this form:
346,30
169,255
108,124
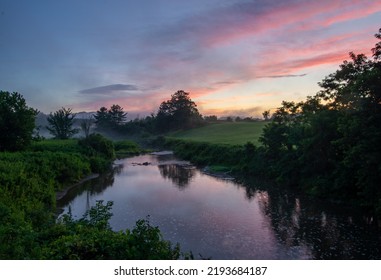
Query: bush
126,148
91,237
96,144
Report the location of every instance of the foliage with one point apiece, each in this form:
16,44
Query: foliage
28,229
117,115
140,127
100,150
328,144
124,148
56,145
91,237
28,182
16,122
61,124
112,118
179,112
102,118
266,115
204,153
212,118
96,144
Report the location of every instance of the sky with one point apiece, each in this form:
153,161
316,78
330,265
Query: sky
234,57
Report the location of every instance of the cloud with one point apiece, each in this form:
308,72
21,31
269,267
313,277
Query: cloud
236,43
216,51
109,89
284,76
231,23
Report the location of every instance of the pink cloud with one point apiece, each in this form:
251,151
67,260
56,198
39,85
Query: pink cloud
362,9
237,24
292,59
212,56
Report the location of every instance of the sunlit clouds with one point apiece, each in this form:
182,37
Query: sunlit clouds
234,57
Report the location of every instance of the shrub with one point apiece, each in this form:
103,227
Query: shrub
96,144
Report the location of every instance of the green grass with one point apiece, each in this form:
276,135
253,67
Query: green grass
56,145
231,133
125,148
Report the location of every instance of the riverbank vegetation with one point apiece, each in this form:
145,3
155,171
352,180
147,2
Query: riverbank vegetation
29,181
326,146
32,172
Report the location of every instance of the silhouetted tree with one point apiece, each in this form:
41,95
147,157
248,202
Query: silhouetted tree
329,144
211,118
110,119
180,112
117,115
266,115
102,118
17,121
61,124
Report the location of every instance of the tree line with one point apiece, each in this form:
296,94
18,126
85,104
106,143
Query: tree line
17,120
179,112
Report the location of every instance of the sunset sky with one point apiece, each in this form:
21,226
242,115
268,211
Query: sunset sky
234,57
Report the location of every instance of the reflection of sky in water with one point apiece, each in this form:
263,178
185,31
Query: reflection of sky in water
211,217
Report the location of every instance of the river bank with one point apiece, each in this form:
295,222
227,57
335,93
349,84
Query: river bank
248,161
61,193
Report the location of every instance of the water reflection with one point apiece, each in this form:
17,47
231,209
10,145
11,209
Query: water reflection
227,220
91,188
327,231
178,174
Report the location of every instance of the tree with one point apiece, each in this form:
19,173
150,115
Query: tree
86,126
179,112
112,118
329,144
117,115
355,92
102,118
17,121
211,118
266,115
61,124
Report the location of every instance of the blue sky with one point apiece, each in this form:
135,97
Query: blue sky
234,57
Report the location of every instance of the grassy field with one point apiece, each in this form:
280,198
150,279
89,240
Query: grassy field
232,133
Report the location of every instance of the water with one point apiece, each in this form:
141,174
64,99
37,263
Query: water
221,219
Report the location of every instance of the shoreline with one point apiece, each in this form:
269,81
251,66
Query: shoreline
62,193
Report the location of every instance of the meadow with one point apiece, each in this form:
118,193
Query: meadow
231,133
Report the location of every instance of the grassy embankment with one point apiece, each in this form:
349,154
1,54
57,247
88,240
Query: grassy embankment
222,146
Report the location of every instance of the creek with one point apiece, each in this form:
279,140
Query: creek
219,218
